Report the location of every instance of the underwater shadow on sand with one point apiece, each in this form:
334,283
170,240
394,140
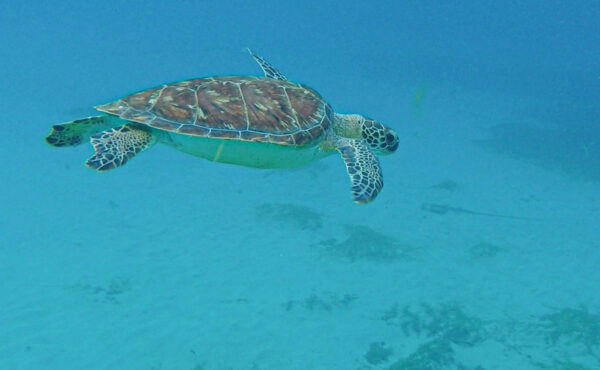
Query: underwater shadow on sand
573,150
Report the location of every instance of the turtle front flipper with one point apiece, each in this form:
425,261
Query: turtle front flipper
363,169
116,146
77,132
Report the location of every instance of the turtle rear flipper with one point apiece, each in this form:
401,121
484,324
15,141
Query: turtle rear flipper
363,169
114,147
77,132
268,69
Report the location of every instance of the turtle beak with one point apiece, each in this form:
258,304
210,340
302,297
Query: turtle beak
391,140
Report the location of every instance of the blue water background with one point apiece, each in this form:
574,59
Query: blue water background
483,245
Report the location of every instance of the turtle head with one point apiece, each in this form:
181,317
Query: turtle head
381,139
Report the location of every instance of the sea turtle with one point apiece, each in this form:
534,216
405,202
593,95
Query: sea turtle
262,122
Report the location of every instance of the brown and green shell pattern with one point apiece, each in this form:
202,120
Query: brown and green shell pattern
242,108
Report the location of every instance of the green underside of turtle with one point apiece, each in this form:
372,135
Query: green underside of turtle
246,153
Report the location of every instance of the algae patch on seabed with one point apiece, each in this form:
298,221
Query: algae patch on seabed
442,326
566,339
364,243
108,293
561,365
291,214
378,353
484,250
325,303
433,355
447,185
446,321
574,326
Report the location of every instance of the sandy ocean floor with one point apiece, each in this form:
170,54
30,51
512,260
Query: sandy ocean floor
472,257
481,253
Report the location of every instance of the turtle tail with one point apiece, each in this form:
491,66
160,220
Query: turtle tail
77,132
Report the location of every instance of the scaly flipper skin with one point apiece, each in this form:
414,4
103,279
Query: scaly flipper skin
363,169
77,132
116,146
270,71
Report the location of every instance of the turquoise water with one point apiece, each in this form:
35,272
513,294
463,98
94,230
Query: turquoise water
481,252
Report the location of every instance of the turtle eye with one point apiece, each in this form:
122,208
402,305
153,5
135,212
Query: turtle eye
391,139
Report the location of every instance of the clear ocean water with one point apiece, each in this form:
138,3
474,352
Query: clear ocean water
481,252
